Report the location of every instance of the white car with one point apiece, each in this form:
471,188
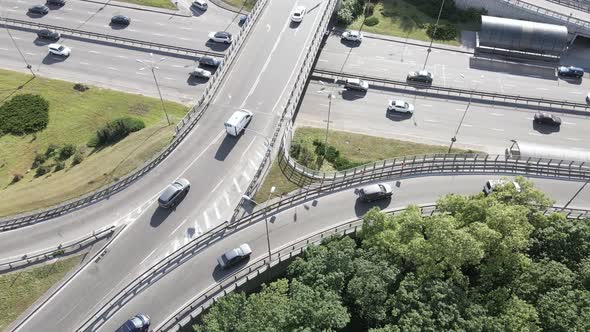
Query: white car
400,106
200,4
59,49
353,36
220,37
297,14
200,72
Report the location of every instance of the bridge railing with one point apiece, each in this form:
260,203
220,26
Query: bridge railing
575,4
213,293
182,129
569,20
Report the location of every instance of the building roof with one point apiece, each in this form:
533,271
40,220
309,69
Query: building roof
525,36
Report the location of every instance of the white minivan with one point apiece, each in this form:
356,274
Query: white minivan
490,185
237,122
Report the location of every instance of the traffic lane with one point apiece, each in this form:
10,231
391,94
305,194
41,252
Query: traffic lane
485,127
178,287
258,78
148,26
394,60
106,66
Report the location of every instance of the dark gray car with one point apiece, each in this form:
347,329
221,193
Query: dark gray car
375,192
39,9
48,34
172,195
121,20
210,61
139,323
56,2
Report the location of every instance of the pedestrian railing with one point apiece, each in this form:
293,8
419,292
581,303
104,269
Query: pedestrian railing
63,249
109,38
213,293
421,88
574,24
182,130
580,5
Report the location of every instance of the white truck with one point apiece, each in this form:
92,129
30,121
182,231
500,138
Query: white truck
237,122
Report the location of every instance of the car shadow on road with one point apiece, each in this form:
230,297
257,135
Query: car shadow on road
115,26
349,43
220,273
226,146
361,208
398,116
35,15
42,41
193,80
53,6
571,80
159,216
545,129
294,25
217,47
353,94
51,59
196,12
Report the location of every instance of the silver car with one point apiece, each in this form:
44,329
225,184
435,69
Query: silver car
353,36
172,195
234,256
201,73
401,106
375,192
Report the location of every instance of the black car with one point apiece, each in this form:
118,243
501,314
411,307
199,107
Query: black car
138,323
547,119
423,76
121,20
39,9
570,71
56,2
375,192
48,34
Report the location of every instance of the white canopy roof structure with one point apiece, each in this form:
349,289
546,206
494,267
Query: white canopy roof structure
533,150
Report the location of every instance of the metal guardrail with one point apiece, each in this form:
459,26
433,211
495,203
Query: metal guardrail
570,20
433,89
61,250
293,101
575,4
182,129
110,38
208,297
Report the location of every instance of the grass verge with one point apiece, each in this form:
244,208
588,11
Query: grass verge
20,290
74,118
248,4
167,4
401,19
355,147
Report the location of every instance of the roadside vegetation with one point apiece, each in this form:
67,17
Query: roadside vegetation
494,263
19,290
59,140
410,19
248,4
167,4
345,150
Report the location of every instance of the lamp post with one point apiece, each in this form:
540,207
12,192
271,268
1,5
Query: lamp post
272,190
454,138
575,195
330,96
153,66
442,4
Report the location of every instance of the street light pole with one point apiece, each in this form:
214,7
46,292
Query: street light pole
272,190
454,138
433,34
575,195
152,66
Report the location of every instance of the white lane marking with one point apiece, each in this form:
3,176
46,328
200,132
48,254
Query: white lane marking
497,114
576,92
534,134
29,53
158,34
245,175
112,68
148,256
202,152
58,17
183,38
569,123
324,105
252,163
380,57
572,139
217,185
542,89
217,214
509,85
186,29
226,198
207,224
17,38
160,23
169,78
237,185
93,52
177,66
248,148
426,105
83,63
467,125
140,73
497,129
122,56
3,49
177,227
322,60
433,121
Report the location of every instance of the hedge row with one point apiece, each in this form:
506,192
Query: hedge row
24,114
115,131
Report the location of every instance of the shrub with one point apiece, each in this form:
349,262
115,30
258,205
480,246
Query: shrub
369,9
443,32
342,163
16,177
332,153
115,131
78,158
39,159
371,21
59,165
81,87
295,150
51,150
42,170
345,16
24,114
67,151
306,157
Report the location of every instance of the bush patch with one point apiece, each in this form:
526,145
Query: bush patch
24,114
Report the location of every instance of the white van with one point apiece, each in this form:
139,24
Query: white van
490,185
238,121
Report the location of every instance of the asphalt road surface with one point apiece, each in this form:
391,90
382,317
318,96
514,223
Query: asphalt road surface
485,127
161,28
178,287
112,67
393,60
219,168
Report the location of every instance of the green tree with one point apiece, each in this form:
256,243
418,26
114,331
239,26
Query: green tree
562,240
565,309
541,277
226,315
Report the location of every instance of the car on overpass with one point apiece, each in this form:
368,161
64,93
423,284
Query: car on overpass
423,76
375,192
139,323
48,34
200,4
571,71
297,14
200,73
174,193
234,256
547,119
400,106
221,37
58,49
39,9
210,61
352,36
